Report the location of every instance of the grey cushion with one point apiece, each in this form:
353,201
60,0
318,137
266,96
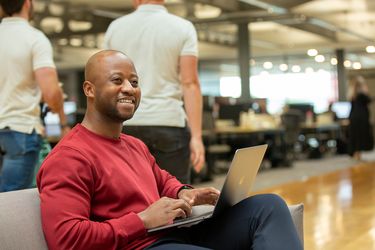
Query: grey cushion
20,223
297,215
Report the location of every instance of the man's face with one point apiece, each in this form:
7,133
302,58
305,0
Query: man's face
117,93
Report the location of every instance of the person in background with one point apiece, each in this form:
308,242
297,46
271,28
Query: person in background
101,189
360,129
169,119
27,75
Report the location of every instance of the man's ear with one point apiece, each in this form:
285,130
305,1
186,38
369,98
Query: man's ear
89,89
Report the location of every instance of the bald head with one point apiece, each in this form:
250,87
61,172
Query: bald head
97,62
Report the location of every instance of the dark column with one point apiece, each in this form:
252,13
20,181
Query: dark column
341,74
243,59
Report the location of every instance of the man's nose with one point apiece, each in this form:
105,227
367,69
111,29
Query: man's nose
127,86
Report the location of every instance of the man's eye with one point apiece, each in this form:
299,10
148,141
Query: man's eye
117,80
134,83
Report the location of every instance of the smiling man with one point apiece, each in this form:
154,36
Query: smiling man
101,189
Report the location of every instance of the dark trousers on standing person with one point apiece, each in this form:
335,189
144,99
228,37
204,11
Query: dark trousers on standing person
169,146
261,222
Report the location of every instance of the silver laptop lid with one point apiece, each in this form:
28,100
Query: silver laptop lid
241,176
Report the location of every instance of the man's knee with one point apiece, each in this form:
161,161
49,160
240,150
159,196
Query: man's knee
269,203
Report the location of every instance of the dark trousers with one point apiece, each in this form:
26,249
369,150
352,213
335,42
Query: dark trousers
169,146
259,222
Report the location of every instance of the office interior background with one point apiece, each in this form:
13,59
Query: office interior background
255,57
305,51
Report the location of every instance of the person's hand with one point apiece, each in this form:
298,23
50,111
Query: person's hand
164,211
199,196
197,153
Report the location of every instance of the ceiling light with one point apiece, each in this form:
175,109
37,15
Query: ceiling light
296,68
320,58
63,42
283,67
76,42
370,49
334,61
347,64
357,65
267,65
312,52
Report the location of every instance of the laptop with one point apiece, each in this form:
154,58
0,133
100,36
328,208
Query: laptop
237,186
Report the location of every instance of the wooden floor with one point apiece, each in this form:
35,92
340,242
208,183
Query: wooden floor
339,208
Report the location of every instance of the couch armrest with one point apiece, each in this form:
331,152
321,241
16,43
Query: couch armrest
297,215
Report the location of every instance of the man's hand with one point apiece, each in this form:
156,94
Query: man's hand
164,211
199,196
197,153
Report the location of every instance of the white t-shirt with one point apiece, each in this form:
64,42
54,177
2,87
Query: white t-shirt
154,40
23,49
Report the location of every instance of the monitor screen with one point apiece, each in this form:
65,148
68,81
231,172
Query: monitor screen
52,121
232,112
342,109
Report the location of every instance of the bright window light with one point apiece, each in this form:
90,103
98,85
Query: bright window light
315,87
230,86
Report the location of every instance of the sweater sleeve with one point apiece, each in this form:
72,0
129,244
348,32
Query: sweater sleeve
66,185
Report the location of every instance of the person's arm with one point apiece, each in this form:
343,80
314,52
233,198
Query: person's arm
193,107
65,128
52,94
66,182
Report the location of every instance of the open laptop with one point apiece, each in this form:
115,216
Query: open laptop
237,186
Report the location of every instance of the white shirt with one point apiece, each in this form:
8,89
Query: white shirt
23,49
154,40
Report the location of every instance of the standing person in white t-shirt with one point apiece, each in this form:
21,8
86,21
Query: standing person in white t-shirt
164,50
27,75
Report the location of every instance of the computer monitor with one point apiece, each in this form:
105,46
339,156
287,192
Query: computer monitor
303,107
52,121
232,112
342,109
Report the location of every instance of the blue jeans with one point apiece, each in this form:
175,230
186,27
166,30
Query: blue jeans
260,222
169,146
20,154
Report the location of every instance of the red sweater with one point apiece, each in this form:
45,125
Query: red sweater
91,189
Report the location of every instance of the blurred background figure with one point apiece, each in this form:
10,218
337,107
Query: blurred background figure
169,118
27,75
360,129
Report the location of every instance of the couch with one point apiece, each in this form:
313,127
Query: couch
20,223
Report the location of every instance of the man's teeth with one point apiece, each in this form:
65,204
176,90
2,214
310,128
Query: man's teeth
125,101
